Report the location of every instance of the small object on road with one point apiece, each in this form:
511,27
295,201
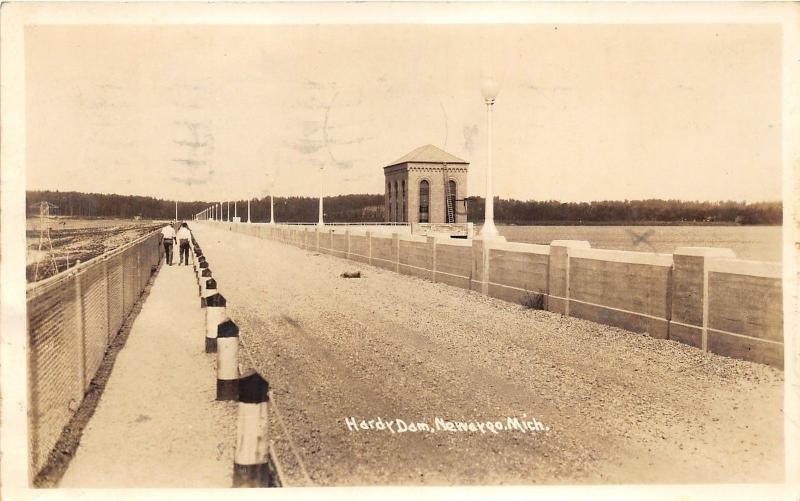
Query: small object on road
351,274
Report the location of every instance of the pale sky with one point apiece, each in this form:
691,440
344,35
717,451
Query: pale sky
584,112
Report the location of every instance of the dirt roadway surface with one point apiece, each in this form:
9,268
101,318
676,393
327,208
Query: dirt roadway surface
620,407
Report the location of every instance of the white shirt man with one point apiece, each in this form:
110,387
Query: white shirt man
184,238
168,237
184,234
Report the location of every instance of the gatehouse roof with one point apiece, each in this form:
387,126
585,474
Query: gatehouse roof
428,154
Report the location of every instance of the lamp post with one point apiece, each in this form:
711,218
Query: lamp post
489,89
321,189
271,210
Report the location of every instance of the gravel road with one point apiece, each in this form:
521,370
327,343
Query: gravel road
619,407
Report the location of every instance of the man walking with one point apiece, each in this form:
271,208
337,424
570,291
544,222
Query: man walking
168,237
184,237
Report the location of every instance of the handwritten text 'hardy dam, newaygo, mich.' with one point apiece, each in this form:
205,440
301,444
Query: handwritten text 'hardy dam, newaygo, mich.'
524,425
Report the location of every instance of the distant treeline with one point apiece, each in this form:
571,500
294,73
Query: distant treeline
365,207
627,211
342,208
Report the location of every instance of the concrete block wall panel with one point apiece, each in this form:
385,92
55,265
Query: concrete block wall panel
477,272
515,270
745,310
558,273
630,290
323,241
339,244
359,248
688,275
416,258
383,252
454,263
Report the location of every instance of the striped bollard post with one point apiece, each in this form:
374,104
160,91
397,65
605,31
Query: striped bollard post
209,288
215,315
252,445
199,274
227,360
204,275
198,254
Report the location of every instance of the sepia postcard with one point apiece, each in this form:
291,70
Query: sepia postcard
387,249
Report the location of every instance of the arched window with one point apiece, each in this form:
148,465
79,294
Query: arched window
404,202
396,203
424,201
389,200
451,212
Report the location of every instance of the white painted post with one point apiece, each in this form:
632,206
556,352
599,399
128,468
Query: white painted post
248,211
215,315
208,287
205,274
227,361
252,432
488,231
271,211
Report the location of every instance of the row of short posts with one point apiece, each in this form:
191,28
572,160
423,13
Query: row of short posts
245,385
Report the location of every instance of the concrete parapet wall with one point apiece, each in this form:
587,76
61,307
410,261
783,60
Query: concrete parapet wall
359,248
383,252
699,296
558,274
517,270
625,289
339,244
453,263
745,315
416,257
